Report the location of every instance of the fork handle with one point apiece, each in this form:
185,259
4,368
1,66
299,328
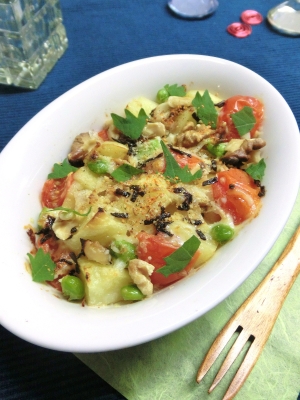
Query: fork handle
272,291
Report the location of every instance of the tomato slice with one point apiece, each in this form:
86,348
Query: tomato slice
55,190
183,160
234,104
56,284
159,164
237,194
153,249
103,135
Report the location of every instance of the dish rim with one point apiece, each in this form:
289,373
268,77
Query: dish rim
171,323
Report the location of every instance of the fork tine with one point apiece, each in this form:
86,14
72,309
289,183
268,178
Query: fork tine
245,368
216,348
230,358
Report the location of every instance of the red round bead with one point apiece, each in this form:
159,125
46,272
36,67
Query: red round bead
251,17
239,30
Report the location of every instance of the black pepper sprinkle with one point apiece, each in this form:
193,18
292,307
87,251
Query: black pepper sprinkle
135,195
149,221
48,226
200,234
45,238
136,192
210,181
72,272
120,215
121,192
185,206
214,165
231,186
220,104
100,209
159,222
195,116
150,159
65,261
127,141
74,258
50,221
74,229
183,153
197,222
257,182
262,191
178,190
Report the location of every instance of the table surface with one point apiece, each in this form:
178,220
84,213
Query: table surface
103,34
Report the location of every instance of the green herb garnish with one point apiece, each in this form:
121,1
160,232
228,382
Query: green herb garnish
243,120
125,172
205,109
174,172
61,170
42,266
257,170
131,125
170,90
178,260
70,210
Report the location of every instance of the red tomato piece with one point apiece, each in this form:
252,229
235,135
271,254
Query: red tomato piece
183,160
55,190
103,135
153,249
237,194
55,248
234,104
49,246
159,164
55,284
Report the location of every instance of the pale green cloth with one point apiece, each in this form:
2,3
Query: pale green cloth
165,369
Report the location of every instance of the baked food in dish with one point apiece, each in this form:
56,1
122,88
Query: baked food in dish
150,197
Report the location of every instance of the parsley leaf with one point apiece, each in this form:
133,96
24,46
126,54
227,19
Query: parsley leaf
125,172
243,120
175,90
61,170
42,266
170,90
178,260
257,170
205,109
131,125
174,172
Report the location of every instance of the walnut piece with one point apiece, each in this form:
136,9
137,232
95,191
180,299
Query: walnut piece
140,272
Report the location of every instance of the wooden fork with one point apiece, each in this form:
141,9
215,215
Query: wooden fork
255,319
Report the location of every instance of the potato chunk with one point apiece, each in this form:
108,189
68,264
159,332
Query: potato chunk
135,105
102,228
103,283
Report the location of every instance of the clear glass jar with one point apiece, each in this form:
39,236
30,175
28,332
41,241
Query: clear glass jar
32,39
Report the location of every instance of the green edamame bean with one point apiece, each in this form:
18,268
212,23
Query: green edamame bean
217,150
72,287
123,250
99,167
162,95
221,233
131,293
